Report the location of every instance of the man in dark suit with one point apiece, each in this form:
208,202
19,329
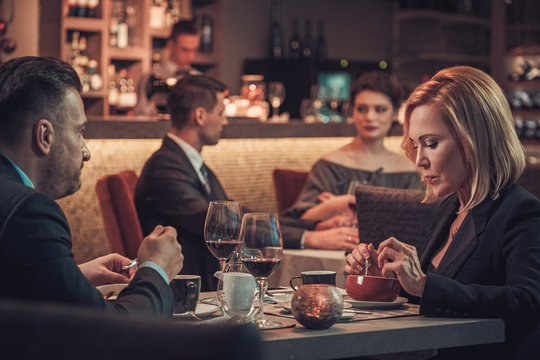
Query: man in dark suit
175,187
42,152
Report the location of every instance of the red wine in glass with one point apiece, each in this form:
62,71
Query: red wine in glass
222,249
261,267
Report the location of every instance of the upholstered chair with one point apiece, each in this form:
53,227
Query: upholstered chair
122,227
287,185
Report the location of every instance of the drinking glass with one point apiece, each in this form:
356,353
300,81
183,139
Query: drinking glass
351,190
222,228
261,252
276,95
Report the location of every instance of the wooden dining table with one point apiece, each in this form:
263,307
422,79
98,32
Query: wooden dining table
386,331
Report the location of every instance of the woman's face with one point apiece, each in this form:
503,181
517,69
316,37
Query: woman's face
373,114
437,151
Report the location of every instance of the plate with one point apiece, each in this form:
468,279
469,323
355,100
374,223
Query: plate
111,291
377,304
201,310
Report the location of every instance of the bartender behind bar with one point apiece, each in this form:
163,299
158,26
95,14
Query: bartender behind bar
182,47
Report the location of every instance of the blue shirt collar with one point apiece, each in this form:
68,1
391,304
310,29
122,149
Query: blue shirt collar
25,179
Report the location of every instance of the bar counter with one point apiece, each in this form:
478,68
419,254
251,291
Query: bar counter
121,127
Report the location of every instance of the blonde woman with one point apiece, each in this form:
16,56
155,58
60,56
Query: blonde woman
483,259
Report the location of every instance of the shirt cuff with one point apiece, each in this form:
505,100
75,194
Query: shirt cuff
302,240
156,267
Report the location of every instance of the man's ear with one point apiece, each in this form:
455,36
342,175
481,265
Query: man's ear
199,114
43,136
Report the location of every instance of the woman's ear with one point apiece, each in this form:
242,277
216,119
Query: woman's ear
43,136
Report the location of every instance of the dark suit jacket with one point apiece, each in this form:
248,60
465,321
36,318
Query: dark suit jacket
36,260
491,270
169,192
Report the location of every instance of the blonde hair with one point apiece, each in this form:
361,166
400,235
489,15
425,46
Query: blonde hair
477,113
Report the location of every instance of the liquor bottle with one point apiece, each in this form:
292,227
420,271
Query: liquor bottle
276,36
96,83
74,47
73,7
307,41
322,50
82,9
121,30
294,42
92,8
157,14
113,88
206,34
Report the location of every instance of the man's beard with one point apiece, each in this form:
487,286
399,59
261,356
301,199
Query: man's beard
58,180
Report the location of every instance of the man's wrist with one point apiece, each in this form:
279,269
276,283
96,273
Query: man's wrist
156,267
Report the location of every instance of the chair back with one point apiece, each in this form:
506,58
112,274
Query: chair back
287,185
529,179
384,212
122,227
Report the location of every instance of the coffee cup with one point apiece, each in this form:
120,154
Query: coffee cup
238,292
186,290
372,288
315,277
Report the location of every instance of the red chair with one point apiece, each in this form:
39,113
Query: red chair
122,227
287,185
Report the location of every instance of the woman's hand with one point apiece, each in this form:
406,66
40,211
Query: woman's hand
364,255
402,259
332,239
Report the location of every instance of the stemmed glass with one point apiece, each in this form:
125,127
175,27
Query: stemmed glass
353,184
276,95
222,228
261,252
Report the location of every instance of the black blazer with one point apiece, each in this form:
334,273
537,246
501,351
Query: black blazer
169,192
36,260
491,270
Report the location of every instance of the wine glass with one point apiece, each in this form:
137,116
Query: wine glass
221,229
276,95
351,190
261,252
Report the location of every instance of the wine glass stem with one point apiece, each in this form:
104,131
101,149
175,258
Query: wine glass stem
222,265
263,284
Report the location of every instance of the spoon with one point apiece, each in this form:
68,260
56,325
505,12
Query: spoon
131,264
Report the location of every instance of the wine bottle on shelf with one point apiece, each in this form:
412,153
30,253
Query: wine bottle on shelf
307,41
113,88
73,7
82,9
157,14
121,30
294,42
276,36
322,50
92,8
206,26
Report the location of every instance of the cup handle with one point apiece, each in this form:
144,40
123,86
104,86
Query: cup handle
191,287
294,287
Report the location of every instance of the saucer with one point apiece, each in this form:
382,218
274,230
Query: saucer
202,310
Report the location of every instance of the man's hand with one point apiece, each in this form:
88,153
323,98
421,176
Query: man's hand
105,270
162,247
335,239
345,219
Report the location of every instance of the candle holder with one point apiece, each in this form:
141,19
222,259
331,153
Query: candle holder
317,306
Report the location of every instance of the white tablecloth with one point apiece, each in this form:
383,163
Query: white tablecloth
296,261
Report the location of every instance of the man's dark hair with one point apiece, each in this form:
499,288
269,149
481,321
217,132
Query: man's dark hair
189,93
32,88
380,82
184,27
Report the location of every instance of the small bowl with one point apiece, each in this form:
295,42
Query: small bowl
372,288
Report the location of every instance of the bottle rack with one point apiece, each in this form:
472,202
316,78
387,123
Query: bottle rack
57,27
